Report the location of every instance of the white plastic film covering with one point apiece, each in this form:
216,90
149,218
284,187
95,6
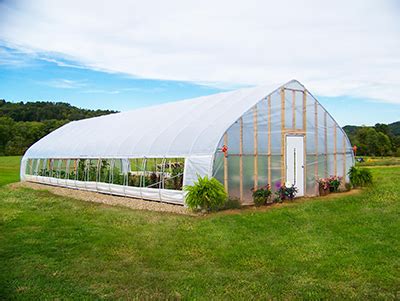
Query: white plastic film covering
193,130
178,129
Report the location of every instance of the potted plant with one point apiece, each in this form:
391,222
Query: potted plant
323,185
334,183
286,192
261,196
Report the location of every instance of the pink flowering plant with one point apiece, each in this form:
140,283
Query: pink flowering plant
332,183
323,183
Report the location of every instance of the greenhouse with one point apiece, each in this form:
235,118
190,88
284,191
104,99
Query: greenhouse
246,139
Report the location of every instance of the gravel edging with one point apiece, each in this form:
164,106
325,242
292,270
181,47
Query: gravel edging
107,199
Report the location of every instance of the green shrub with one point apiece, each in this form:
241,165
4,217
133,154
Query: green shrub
206,193
360,177
261,195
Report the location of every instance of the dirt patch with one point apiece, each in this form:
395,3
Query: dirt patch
107,199
331,196
139,204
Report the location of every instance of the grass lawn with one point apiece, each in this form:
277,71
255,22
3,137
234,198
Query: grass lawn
379,161
345,247
9,169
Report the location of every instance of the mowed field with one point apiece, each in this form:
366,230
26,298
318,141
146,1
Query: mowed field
340,247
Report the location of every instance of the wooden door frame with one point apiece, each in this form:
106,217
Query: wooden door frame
296,133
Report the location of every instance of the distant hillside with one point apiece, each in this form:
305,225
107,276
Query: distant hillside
41,111
395,128
22,124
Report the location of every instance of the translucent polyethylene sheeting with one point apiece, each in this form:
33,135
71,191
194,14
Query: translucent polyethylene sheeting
194,129
320,129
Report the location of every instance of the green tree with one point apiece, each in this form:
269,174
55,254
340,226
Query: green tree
373,143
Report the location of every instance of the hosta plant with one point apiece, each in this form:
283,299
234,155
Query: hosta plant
360,177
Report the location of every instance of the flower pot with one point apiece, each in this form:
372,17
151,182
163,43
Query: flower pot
323,192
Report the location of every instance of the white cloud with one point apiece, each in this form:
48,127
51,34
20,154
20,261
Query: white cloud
335,48
65,83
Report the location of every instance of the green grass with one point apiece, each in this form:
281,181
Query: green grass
345,247
9,169
379,161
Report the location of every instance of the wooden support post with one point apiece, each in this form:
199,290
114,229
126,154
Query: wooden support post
269,141
255,125
226,164
283,165
326,143
294,109
316,147
241,159
305,134
334,150
344,159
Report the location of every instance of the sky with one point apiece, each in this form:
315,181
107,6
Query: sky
123,55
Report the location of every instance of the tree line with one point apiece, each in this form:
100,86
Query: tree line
22,124
378,140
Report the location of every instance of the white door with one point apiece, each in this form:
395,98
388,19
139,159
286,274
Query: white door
295,162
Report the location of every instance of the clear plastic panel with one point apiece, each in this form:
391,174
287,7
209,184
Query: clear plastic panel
135,172
340,163
275,172
28,169
262,170
92,165
63,169
289,109
218,167
117,175
310,174
105,171
331,165
233,137
248,133
173,174
35,166
310,141
262,128
234,176
299,110
72,169
248,177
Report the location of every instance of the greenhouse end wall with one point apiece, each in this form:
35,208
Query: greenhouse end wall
255,145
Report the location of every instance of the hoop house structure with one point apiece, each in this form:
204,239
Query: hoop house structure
246,139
